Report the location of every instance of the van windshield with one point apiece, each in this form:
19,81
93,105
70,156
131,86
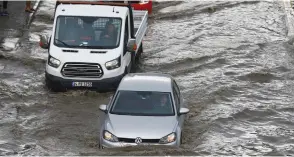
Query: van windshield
87,32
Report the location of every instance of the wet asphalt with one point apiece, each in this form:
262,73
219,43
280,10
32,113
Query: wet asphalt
231,59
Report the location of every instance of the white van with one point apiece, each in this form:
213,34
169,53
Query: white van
93,44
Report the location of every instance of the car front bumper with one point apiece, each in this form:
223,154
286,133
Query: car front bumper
107,144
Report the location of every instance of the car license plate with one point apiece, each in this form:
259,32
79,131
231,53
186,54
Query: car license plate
82,84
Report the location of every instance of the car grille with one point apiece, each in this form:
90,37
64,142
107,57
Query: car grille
86,70
132,140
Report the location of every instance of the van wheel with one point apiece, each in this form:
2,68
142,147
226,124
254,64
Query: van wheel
127,70
181,141
133,63
53,87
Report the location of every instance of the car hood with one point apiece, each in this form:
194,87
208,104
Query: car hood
140,126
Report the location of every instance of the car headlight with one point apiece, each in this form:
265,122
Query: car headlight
109,136
53,62
168,139
113,64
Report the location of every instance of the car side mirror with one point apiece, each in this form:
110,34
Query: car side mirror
132,46
44,43
103,108
184,111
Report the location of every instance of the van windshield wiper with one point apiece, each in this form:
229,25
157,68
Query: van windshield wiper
63,43
92,47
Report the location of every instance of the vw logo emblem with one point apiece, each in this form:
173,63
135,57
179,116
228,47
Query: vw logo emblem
138,140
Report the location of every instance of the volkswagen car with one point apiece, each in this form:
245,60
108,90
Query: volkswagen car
146,109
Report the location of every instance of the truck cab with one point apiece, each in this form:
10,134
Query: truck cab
93,44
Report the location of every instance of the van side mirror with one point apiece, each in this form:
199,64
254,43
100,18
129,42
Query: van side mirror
132,46
183,111
44,43
103,108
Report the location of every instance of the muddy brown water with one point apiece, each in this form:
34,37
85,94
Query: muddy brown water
230,58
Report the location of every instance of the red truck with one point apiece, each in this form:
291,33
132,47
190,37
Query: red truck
142,5
137,5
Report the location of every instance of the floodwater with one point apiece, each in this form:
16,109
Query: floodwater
230,58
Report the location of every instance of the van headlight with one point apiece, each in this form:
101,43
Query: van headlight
168,138
109,136
113,64
53,62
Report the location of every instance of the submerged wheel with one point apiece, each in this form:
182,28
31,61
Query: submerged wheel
181,141
133,63
140,51
53,87
135,58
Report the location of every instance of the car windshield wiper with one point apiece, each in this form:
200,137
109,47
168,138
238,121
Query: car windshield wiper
63,43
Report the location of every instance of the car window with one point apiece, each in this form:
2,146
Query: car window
143,103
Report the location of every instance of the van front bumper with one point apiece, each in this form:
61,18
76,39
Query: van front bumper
103,84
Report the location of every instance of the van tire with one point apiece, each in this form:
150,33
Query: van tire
140,51
181,141
133,63
127,70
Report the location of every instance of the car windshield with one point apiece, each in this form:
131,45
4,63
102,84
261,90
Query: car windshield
141,103
87,32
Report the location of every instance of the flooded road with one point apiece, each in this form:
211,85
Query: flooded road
231,60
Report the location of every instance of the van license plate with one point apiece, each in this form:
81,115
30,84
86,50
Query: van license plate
82,84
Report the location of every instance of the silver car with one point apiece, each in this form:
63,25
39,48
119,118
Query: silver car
147,109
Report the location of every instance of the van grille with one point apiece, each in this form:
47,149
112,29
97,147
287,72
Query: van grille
86,70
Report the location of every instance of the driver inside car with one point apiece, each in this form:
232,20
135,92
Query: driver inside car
109,35
164,106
